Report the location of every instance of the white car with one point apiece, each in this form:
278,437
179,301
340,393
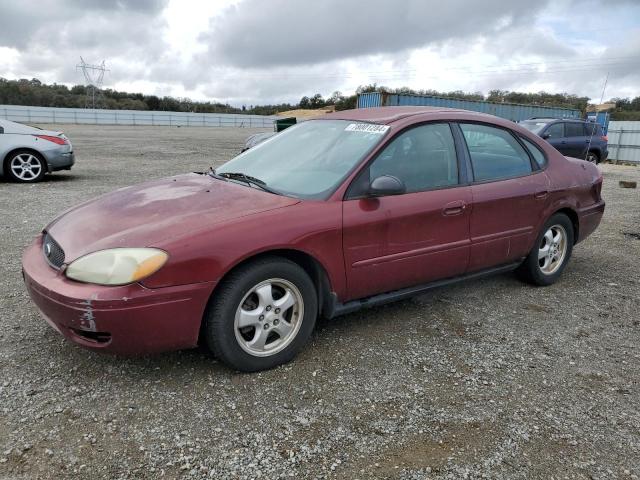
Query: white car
27,153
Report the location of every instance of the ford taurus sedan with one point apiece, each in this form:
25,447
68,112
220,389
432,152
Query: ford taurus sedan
28,153
353,210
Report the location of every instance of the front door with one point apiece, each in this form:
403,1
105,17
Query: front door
398,241
554,134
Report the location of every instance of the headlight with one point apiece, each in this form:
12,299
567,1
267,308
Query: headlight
117,266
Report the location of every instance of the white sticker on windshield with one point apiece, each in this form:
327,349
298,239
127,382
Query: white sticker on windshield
367,128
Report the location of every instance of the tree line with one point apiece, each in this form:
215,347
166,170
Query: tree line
626,109
35,93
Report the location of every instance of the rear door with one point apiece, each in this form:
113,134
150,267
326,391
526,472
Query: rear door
509,195
576,139
399,241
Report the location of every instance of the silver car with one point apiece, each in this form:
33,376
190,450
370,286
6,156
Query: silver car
27,153
255,139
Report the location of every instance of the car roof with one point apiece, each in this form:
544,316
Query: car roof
387,115
551,119
541,119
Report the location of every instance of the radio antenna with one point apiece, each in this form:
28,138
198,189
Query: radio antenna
595,123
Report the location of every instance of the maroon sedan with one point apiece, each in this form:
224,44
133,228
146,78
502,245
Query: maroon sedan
352,210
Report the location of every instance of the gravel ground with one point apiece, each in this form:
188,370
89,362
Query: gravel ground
488,379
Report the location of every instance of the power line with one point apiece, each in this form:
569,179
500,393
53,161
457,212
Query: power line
572,65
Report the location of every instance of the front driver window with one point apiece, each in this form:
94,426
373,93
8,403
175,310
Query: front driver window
423,158
555,131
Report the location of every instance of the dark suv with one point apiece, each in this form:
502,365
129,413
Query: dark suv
573,138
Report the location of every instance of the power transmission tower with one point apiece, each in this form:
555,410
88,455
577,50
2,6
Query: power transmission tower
94,76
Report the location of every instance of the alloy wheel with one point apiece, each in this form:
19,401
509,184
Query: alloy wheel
26,167
552,249
269,317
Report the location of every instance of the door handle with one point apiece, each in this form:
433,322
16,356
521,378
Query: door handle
541,194
454,208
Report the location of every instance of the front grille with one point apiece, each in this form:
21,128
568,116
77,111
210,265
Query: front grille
52,251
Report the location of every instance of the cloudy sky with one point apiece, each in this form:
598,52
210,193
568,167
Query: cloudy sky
264,51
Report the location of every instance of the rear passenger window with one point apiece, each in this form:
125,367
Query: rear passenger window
423,157
495,153
537,154
574,130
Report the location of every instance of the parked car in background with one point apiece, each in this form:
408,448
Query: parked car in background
28,153
255,139
279,125
351,210
573,138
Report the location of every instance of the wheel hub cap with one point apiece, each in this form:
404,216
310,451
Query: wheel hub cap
552,249
269,317
25,166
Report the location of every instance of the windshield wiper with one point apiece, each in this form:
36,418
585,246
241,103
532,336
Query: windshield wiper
248,179
212,173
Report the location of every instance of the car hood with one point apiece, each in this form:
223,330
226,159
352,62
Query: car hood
152,212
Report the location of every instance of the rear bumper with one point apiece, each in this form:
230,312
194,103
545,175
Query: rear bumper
589,218
59,160
127,320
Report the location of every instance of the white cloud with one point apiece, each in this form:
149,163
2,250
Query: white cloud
256,51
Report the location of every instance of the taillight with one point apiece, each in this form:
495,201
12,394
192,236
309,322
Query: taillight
58,140
605,138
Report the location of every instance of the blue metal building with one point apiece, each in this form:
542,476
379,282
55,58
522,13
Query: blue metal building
601,118
510,111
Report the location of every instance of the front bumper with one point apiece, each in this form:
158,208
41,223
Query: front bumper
127,320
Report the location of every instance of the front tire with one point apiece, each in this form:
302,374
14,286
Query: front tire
261,315
25,166
551,252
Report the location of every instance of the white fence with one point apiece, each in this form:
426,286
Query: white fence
38,115
624,141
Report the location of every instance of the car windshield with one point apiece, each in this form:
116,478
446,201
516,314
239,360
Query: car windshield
308,160
533,126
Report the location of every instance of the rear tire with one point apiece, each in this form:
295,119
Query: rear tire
262,315
25,166
593,157
551,252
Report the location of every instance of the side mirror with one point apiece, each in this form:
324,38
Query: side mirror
546,135
386,185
